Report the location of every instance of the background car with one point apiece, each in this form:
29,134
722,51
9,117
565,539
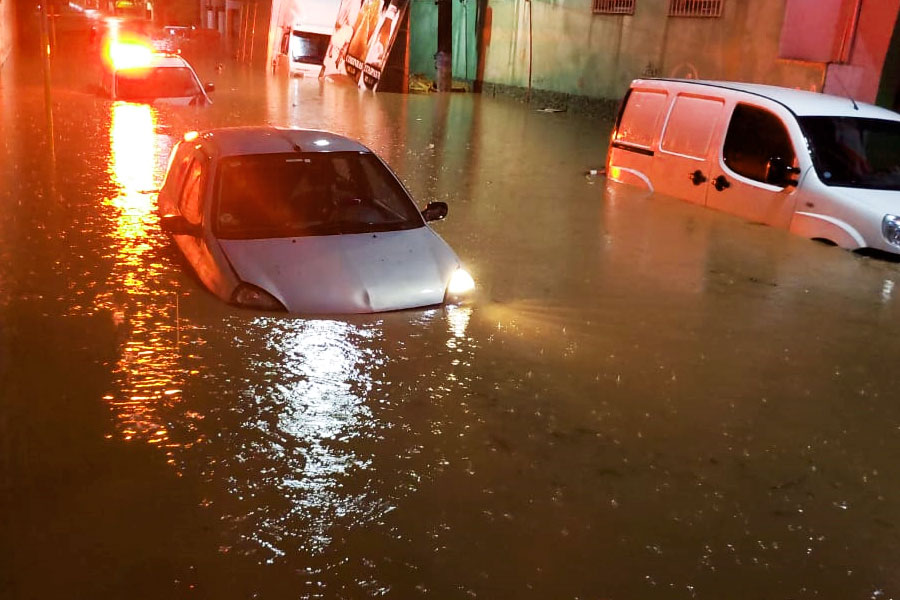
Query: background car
135,73
305,221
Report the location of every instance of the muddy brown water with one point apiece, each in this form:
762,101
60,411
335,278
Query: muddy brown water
645,399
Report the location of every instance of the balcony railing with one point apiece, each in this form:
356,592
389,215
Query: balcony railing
695,8
614,7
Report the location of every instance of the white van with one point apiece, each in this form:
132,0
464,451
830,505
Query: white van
303,48
824,167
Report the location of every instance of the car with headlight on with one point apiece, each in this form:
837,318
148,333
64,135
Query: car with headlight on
134,72
304,221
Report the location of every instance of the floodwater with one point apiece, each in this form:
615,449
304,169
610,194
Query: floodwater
645,399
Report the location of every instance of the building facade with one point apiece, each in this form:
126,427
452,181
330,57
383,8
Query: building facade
7,28
594,48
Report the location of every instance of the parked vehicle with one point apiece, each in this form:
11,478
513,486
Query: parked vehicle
303,49
305,221
822,166
134,73
305,38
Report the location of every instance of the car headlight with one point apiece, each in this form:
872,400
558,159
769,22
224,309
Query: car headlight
890,229
251,296
461,283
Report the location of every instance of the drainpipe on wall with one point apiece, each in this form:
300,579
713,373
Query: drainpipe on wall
849,37
530,52
444,56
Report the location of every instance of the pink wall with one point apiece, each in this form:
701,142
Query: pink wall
860,77
812,30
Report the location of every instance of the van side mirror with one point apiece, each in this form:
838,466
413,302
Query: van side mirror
435,211
178,225
778,172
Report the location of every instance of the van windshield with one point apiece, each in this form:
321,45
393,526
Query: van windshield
309,47
855,152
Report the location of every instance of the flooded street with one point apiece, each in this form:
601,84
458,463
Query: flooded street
645,399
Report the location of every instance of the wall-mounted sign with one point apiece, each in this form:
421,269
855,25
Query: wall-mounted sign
363,37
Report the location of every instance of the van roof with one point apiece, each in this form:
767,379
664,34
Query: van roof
800,102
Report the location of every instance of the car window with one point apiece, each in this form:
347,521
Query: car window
158,82
190,205
308,194
176,171
754,137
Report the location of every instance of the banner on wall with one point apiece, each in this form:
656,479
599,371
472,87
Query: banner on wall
362,40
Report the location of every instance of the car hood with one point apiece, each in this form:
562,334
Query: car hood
196,100
358,273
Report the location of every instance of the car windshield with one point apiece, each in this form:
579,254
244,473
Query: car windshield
309,194
855,152
309,47
158,82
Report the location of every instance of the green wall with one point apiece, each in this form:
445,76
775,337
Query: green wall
572,51
423,38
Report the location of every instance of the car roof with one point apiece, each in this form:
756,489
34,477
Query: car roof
167,60
800,102
239,141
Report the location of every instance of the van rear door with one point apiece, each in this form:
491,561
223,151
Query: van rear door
684,162
631,150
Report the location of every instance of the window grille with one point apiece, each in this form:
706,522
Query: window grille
695,8
614,7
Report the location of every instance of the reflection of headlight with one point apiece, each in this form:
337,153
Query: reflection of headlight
460,284
890,229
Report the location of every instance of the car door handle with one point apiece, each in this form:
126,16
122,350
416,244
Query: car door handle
697,177
720,183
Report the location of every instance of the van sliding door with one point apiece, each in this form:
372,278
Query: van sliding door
683,165
745,182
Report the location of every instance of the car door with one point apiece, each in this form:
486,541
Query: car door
753,174
684,162
191,200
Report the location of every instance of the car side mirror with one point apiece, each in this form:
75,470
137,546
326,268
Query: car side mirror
210,87
178,225
778,172
435,211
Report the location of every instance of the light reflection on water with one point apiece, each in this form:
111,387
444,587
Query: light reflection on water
321,403
146,330
301,434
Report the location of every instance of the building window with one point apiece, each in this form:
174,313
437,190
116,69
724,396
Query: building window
614,7
695,8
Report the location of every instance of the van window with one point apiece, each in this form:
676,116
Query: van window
755,136
690,127
641,117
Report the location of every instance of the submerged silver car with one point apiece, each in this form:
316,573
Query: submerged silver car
304,221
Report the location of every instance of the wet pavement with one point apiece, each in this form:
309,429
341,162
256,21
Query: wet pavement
646,399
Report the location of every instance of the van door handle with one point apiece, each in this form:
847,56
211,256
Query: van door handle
720,183
697,177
